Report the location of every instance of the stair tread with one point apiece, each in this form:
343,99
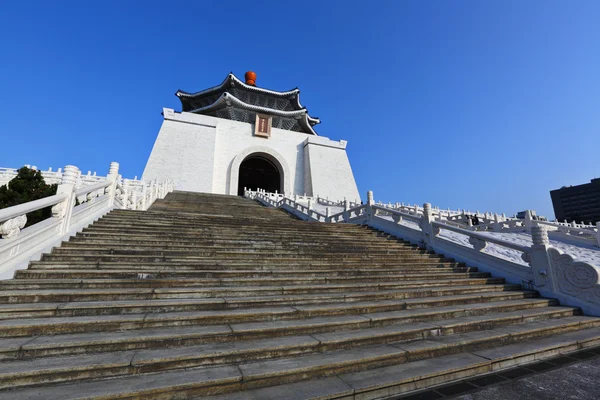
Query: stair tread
236,311
146,384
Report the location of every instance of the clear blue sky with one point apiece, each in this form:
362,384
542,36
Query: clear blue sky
465,104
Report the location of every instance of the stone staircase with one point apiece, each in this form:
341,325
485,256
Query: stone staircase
209,296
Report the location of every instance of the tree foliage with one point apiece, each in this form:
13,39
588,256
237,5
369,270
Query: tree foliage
28,185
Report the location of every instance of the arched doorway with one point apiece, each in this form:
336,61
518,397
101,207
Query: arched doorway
258,173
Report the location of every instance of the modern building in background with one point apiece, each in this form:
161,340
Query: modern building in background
577,203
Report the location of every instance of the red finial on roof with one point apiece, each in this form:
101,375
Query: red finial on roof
250,78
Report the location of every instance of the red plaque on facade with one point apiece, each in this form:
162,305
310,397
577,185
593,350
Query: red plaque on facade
262,127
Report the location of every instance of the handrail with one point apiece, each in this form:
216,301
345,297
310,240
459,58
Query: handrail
400,213
92,188
349,210
486,238
25,208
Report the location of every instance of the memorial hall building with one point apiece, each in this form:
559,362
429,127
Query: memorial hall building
237,135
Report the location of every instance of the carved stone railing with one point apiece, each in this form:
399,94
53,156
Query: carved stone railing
73,208
570,232
538,266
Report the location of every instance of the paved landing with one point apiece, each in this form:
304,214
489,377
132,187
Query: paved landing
576,376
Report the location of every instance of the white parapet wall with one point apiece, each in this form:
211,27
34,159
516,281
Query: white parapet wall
204,154
19,245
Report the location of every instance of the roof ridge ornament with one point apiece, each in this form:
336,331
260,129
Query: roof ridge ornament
250,77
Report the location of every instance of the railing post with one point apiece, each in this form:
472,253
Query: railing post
64,210
144,196
134,200
528,221
346,214
113,175
497,223
125,194
540,262
370,212
598,233
426,226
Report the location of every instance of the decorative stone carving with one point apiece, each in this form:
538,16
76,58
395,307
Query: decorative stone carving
397,218
539,235
426,210
478,244
575,278
526,257
114,168
436,230
370,200
70,175
59,210
12,227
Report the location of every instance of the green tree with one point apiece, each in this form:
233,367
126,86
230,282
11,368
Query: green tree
28,185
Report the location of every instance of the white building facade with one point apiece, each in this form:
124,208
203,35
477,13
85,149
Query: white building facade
236,135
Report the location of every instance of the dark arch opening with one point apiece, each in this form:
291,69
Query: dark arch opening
258,173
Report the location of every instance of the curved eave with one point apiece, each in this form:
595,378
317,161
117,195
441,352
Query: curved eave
307,125
313,120
231,79
228,100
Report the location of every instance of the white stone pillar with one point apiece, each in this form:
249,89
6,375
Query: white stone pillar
539,260
64,210
125,194
144,193
134,200
528,222
427,226
113,176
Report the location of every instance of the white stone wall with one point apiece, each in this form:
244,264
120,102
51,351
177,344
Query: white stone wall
202,154
329,168
184,151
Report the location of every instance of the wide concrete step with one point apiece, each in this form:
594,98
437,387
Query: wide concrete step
247,246
257,213
208,233
257,235
243,251
395,290
230,241
241,311
226,237
257,265
233,257
152,282
162,276
219,222
379,369
147,282
334,304
228,222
